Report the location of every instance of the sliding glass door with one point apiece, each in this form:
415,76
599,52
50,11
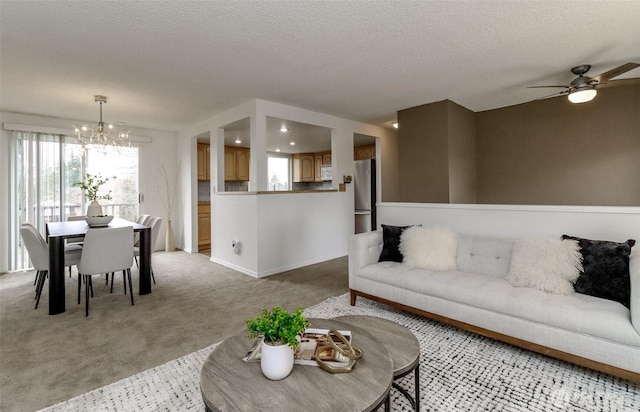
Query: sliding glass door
47,169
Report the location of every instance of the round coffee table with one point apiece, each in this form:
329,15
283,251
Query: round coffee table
229,384
403,347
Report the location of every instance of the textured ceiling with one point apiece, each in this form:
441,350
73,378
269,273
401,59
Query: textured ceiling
168,64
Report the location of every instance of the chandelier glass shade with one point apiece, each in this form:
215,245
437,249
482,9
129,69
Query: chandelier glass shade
101,133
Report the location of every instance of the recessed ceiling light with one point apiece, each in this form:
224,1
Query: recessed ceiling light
238,141
277,150
395,125
292,143
284,128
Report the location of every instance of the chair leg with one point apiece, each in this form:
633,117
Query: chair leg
153,277
90,281
136,259
124,280
36,283
43,276
69,271
113,275
86,295
80,277
106,282
130,287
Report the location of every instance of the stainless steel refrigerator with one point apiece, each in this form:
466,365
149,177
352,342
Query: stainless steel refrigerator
364,186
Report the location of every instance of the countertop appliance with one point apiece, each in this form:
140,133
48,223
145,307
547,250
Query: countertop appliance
364,187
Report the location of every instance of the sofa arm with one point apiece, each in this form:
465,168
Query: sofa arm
634,273
364,249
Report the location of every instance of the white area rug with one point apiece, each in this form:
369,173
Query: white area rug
459,371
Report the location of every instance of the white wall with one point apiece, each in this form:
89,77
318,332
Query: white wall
160,151
280,231
514,221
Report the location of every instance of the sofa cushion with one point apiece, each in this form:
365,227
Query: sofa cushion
605,271
390,242
486,256
547,264
429,248
577,312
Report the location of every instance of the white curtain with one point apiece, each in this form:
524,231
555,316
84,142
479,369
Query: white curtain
36,180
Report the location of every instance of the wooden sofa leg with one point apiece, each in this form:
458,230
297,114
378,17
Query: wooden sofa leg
353,297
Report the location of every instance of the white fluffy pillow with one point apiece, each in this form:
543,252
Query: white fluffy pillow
429,248
548,264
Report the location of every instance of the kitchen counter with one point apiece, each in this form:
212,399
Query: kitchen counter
279,192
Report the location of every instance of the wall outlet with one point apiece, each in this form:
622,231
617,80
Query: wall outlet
236,246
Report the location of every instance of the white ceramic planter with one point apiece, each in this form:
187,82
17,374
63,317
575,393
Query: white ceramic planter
94,209
276,361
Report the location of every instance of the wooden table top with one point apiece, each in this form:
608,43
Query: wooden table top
402,344
229,384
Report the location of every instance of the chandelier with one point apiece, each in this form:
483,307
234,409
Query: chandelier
101,133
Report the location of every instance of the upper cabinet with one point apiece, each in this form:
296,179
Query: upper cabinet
203,162
364,152
236,164
307,167
303,167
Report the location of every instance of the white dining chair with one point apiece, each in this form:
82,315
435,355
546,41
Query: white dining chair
155,223
106,250
75,241
39,254
143,220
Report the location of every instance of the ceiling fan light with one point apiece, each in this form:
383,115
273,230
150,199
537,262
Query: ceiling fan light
583,95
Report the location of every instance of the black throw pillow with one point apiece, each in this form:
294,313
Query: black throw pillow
390,243
605,269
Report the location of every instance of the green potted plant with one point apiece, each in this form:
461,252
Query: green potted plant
280,331
90,187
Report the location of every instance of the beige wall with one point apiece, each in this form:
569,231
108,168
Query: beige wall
437,154
543,152
423,153
555,152
463,182
389,169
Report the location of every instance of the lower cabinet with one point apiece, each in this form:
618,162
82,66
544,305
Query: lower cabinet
204,225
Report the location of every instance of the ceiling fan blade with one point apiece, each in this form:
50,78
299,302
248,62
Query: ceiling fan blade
562,93
602,78
539,87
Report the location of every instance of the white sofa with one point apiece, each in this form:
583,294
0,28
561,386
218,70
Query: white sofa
585,330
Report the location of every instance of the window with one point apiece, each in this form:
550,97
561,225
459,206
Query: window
279,171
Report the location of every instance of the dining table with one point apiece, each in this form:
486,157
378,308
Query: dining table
57,232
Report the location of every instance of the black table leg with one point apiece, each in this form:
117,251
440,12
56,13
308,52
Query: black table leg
145,261
417,385
56,275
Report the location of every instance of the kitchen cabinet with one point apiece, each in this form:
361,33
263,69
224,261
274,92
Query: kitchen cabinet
304,167
204,225
317,170
204,161
364,152
326,158
236,163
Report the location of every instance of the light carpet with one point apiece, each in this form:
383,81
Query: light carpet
459,371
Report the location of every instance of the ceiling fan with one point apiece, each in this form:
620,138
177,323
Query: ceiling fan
583,88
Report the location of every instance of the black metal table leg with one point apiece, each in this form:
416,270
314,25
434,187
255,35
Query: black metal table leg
56,275
145,261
